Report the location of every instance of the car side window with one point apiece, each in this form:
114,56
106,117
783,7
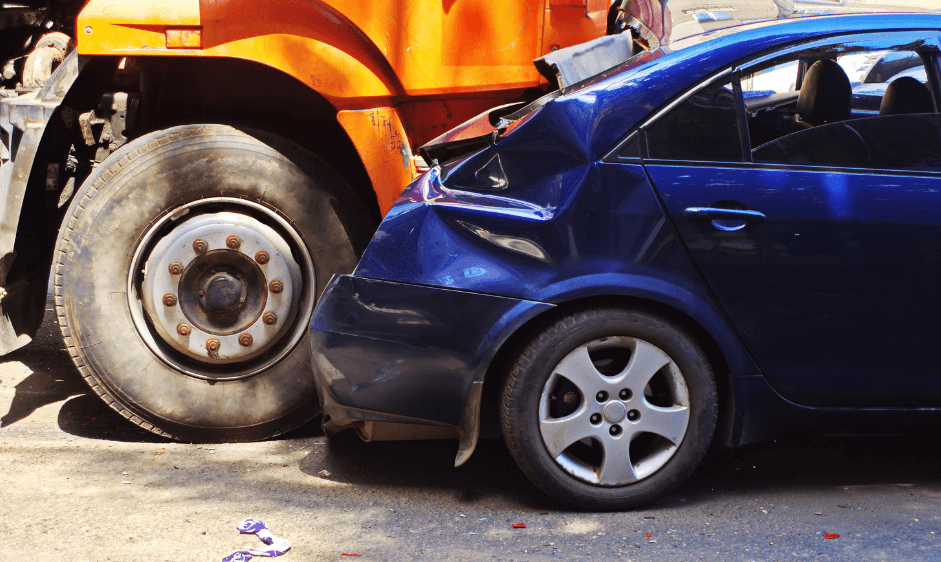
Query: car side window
704,127
848,107
894,142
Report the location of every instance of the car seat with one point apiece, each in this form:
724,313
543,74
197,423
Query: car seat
825,95
906,95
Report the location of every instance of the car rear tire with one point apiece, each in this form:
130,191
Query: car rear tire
186,271
609,408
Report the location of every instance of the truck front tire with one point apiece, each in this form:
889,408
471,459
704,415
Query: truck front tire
186,273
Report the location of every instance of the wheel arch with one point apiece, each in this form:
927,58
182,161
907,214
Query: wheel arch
286,107
228,91
726,354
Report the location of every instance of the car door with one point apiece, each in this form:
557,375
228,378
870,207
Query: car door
823,246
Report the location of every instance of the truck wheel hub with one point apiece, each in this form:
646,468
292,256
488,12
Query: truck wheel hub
223,292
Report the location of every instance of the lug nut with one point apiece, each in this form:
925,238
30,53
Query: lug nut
169,300
245,340
595,418
633,415
183,329
276,286
602,396
269,318
262,257
233,242
200,246
625,394
213,345
615,430
176,268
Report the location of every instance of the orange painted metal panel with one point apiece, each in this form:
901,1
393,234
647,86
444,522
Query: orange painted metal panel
175,12
410,47
382,146
439,61
570,23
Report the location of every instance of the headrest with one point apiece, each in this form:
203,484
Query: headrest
906,95
825,94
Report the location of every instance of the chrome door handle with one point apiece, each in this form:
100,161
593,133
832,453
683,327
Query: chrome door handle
715,213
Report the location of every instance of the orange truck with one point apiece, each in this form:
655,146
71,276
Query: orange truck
193,172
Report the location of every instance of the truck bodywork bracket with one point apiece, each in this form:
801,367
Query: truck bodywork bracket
23,121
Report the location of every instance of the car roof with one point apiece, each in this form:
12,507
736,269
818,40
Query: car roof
808,27
712,50
678,19
636,88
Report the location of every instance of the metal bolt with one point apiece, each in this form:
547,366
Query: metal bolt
269,318
233,242
183,329
602,396
276,286
213,345
625,394
633,415
176,268
245,340
595,418
169,300
615,430
262,257
200,246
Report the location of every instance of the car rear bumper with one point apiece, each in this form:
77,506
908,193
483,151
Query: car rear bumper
408,354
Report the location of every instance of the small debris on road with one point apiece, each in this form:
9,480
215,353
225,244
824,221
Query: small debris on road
325,474
519,525
831,536
277,546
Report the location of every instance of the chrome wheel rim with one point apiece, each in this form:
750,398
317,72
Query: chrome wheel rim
614,411
220,288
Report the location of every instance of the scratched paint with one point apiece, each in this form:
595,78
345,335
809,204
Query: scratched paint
391,139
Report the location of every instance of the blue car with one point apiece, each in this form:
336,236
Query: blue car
663,254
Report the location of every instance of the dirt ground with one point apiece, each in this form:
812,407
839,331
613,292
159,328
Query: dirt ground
83,484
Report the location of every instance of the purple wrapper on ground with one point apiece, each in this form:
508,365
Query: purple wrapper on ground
259,529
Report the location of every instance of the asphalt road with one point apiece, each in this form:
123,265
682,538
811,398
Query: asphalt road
83,484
